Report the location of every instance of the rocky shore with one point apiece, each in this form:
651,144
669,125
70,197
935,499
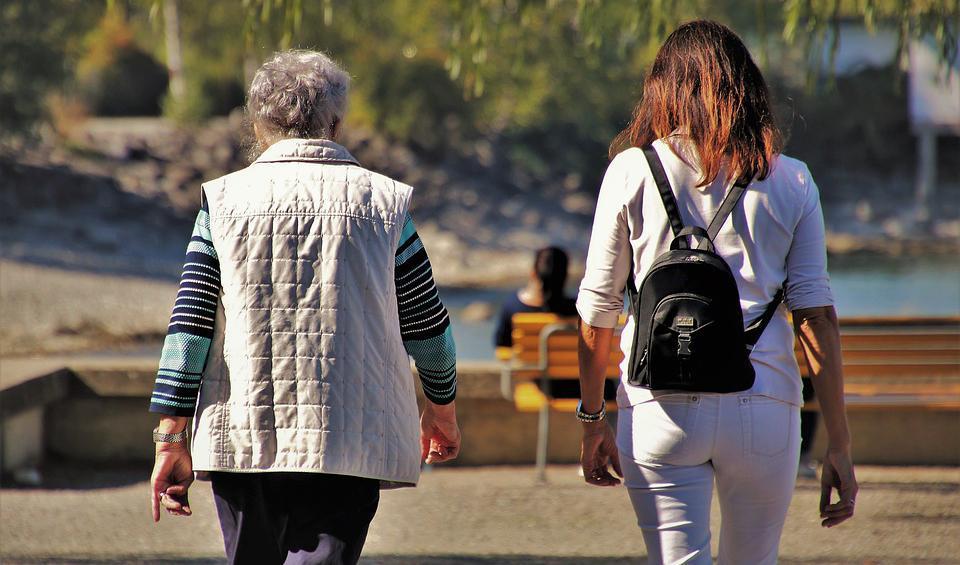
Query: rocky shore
109,209
120,194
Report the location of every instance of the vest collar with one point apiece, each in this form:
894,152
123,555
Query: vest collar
318,150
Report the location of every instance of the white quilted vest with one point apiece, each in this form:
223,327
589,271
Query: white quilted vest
307,371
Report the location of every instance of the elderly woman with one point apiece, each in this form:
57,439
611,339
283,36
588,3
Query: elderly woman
305,288
702,131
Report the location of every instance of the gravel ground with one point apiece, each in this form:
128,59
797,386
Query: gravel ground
474,515
47,309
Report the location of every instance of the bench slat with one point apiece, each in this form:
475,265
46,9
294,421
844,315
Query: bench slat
532,342
528,398
573,371
563,357
894,369
932,389
878,354
901,321
920,342
901,341
933,355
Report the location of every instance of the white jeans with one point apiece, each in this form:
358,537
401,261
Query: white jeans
672,449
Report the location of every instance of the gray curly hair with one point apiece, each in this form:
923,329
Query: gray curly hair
298,94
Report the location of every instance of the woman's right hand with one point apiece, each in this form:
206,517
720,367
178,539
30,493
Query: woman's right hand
171,479
599,449
439,433
837,474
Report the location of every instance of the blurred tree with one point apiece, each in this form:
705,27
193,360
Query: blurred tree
171,41
555,79
36,41
115,77
476,30
555,76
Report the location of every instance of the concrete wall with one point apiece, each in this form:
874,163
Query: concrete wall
100,413
900,436
21,440
106,419
100,429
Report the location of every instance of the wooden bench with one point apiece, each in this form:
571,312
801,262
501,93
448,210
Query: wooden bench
898,362
543,358
889,363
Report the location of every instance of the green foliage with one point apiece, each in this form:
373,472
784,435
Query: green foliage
413,100
551,79
33,47
192,107
132,83
814,25
555,79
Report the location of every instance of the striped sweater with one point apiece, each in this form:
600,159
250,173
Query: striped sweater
424,323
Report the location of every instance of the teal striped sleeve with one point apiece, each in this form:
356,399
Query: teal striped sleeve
424,322
190,331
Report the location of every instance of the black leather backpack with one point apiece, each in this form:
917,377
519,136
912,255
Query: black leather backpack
689,332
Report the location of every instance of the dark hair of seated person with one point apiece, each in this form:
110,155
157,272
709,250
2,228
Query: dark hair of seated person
543,293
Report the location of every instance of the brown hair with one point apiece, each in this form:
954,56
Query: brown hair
704,83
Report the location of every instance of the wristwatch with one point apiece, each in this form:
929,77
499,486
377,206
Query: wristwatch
180,437
588,417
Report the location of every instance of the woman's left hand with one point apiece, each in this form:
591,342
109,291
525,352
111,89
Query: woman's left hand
598,450
439,433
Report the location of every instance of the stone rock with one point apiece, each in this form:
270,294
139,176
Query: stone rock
572,182
578,203
477,312
947,229
863,211
894,227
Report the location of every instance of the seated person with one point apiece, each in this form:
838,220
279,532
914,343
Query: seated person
543,293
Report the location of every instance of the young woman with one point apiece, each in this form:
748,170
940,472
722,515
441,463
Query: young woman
705,110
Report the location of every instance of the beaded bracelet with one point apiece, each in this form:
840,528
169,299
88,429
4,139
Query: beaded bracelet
587,417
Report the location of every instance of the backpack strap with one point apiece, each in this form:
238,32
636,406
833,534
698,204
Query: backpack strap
669,205
754,330
663,187
681,240
729,203
752,333
670,202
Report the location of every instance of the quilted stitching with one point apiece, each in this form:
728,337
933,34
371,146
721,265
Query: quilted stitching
311,374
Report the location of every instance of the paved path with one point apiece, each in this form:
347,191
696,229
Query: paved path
474,515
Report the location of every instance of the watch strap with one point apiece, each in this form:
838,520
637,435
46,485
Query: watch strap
180,437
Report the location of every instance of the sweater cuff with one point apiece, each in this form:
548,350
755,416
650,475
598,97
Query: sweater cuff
165,410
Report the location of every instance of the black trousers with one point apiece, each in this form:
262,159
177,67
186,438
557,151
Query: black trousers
294,518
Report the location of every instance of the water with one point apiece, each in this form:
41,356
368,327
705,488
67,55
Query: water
862,287
905,287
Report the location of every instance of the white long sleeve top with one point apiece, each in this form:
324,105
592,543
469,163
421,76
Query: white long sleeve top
775,234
